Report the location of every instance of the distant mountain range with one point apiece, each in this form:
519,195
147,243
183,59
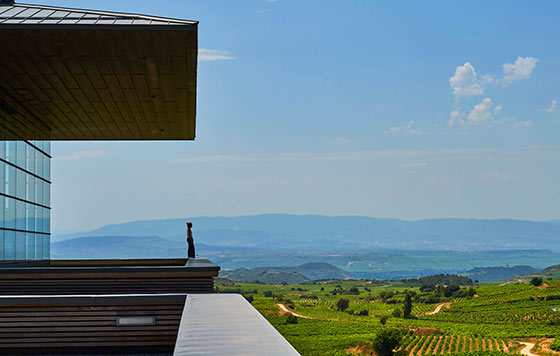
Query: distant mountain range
337,233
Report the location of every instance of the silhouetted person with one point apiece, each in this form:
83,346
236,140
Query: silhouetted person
190,241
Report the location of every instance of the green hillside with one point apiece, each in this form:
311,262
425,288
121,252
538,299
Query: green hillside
551,272
295,274
491,321
267,276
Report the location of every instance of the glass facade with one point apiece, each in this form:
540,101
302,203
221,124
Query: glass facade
25,188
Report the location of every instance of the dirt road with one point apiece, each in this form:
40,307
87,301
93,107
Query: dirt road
527,349
285,310
438,308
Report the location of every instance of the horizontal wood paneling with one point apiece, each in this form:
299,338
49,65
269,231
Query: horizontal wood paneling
87,323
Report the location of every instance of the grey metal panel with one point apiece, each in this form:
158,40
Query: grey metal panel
226,324
25,14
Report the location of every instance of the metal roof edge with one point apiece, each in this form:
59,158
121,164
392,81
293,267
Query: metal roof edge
109,13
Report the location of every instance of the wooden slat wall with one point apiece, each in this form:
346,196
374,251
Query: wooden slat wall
82,287
99,84
77,327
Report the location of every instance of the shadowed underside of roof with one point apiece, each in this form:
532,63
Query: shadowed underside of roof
70,74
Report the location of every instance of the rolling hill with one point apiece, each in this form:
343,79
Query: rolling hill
292,274
494,274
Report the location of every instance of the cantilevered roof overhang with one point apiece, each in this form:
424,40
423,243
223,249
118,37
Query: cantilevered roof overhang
68,74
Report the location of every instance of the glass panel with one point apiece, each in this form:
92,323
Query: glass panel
20,215
3,149
1,245
29,246
47,220
39,219
2,212
20,245
39,191
11,151
9,245
30,195
21,153
40,158
47,168
47,195
46,247
31,216
38,246
20,184
10,213
11,180
2,175
31,157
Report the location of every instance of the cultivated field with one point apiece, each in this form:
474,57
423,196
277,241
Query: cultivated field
493,321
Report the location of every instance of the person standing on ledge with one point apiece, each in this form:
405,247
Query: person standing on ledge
190,241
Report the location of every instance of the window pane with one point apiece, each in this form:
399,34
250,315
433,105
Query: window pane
29,246
2,212
11,180
40,158
1,244
10,213
20,184
39,191
3,149
46,168
31,181
47,221
46,247
20,245
38,246
2,174
31,217
39,219
20,215
11,151
21,153
31,156
9,245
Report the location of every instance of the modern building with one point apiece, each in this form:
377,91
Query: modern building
25,200
68,74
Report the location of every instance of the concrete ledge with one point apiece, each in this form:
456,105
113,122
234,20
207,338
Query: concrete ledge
226,324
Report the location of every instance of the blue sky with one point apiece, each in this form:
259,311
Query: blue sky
390,109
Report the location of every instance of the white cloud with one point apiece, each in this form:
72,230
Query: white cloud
465,82
521,69
205,54
408,130
482,113
457,118
392,130
411,130
552,107
527,123
80,155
